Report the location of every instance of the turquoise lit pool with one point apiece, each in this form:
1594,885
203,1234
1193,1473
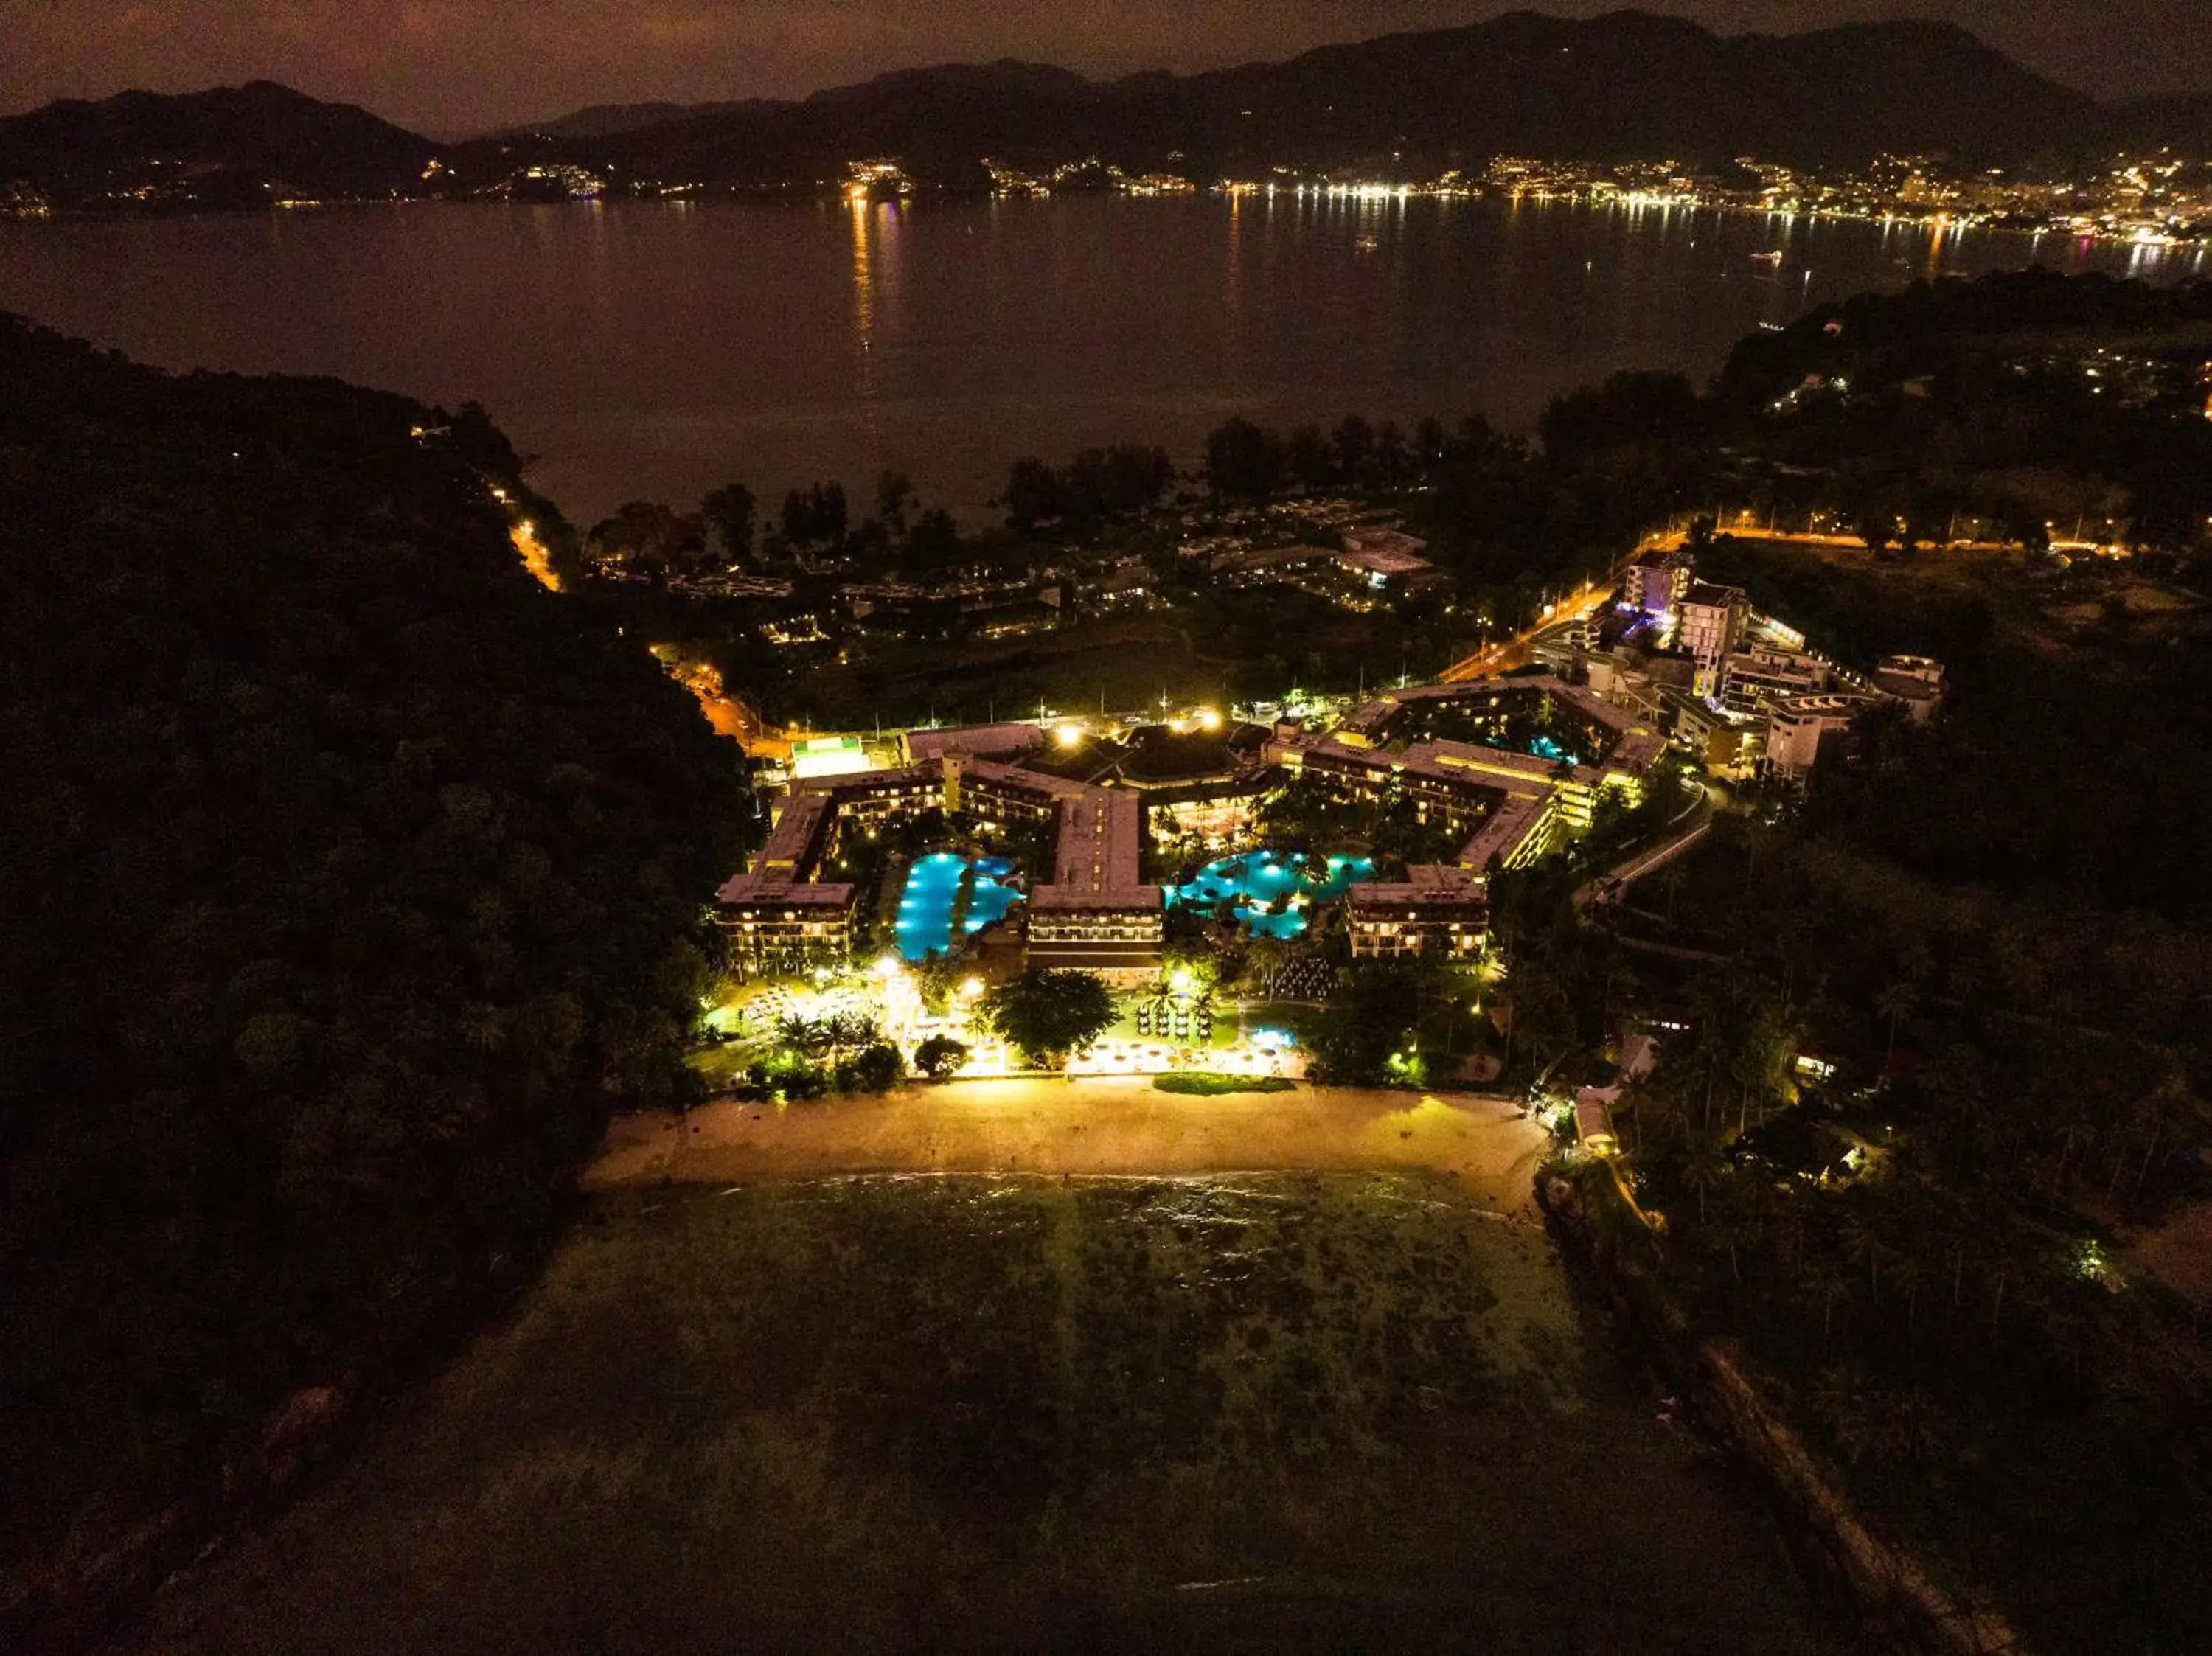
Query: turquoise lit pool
1270,894
924,916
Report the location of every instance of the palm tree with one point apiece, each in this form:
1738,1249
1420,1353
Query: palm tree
1844,1402
1895,1003
1703,1169
1863,1241
1824,1279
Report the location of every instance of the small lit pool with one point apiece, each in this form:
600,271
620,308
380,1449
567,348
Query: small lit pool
933,884
1278,891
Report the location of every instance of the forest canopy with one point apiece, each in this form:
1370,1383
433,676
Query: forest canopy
349,881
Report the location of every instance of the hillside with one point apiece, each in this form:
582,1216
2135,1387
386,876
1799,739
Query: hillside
233,146
1627,86
605,120
347,882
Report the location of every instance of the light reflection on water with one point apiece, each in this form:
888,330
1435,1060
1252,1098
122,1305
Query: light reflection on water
656,350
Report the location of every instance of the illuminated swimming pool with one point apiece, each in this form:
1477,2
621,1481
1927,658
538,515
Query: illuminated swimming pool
1278,891
924,916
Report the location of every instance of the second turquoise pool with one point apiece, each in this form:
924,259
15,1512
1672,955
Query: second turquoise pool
1271,893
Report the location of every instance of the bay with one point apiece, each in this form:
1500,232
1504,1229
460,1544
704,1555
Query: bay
657,351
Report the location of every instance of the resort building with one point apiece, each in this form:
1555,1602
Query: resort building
1916,680
1513,806
1797,727
1711,627
1098,915
1525,767
1436,910
1097,912
1655,583
1389,560
1756,679
1727,744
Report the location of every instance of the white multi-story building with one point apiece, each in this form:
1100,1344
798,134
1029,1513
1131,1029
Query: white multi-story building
1752,680
1797,725
1712,625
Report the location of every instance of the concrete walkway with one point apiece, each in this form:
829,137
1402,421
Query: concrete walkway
1102,1125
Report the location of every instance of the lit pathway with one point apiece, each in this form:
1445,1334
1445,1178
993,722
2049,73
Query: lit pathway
1613,882
1507,654
1105,1124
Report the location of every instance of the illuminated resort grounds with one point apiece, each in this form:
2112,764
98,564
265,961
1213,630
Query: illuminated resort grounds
1269,893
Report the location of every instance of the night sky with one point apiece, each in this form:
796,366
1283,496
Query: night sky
456,67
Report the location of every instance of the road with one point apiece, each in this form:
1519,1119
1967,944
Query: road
1831,543
1697,820
1506,654
1092,1125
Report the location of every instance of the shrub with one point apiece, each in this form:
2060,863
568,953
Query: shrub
1207,1084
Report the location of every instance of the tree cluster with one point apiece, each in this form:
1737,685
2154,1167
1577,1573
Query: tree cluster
1048,1014
2026,405
349,881
1099,483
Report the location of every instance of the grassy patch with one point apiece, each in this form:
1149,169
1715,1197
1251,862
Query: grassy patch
863,1415
1204,1084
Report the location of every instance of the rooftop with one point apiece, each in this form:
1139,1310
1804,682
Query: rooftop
984,739
1817,707
1383,560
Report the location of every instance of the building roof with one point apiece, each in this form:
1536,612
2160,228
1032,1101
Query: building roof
1097,862
1383,561
1425,883
1592,1118
1707,595
1385,542
1278,557
991,739
1503,833
1635,746
1926,666
1797,709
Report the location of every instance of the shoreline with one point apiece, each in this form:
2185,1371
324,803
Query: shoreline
1116,1126
1947,226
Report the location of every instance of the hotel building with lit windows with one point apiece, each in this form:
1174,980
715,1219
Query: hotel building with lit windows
1514,807
1097,912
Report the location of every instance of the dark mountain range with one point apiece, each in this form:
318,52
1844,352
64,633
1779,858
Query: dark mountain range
604,120
1627,86
232,145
